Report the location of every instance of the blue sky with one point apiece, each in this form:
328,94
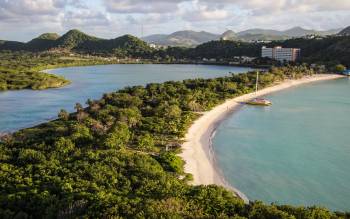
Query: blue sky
24,19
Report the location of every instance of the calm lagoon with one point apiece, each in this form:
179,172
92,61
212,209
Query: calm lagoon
24,108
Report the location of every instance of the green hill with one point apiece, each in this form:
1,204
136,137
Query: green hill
48,36
12,45
43,42
126,45
225,49
78,41
73,38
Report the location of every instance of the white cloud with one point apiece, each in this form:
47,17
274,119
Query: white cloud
143,7
205,13
17,10
23,19
84,18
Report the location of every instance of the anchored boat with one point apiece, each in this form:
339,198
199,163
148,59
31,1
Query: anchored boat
258,101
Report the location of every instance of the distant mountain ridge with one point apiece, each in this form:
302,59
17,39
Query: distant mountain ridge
292,32
182,38
193,38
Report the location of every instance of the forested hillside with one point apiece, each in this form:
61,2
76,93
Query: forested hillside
110,160
124,46
77,41
225,49
329,50
42,43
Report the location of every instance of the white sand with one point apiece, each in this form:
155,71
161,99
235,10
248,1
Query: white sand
197,150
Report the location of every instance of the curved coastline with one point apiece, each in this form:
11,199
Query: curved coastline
197,150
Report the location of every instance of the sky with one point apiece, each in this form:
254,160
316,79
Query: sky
23,20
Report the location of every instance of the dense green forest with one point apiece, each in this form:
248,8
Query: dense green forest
330,50
77,41
117,158
12,80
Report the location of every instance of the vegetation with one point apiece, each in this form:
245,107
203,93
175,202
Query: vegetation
331,50
340,68
79,42
43,42
117,158
11,80
225,49
72,39
20,63
125,46
21,70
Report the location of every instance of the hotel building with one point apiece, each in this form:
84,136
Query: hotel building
281,54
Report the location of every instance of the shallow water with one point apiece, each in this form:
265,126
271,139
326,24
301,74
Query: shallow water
25,108
295,152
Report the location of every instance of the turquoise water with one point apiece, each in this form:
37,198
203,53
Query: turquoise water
294,152
25,108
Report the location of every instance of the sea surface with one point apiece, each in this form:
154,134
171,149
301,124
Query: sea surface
295,152
24,108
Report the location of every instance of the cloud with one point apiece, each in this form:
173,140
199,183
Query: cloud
143,7
23,19
276,6
24,11
205,12
84,18
17,10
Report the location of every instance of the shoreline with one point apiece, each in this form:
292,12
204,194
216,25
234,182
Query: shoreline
198,151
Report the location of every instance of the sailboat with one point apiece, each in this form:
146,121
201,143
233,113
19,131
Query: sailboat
258,101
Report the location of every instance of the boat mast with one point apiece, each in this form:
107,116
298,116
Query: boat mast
256,84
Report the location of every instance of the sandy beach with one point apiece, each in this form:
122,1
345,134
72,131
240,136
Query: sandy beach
197,149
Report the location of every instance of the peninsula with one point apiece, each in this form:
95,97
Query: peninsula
119,156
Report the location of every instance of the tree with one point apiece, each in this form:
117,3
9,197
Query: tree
64,145
81,134
340,68
118,137
75,169
78,107
173,111
171,162
145,142
130,116
63,115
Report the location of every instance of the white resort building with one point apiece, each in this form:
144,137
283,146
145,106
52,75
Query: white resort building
281,54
